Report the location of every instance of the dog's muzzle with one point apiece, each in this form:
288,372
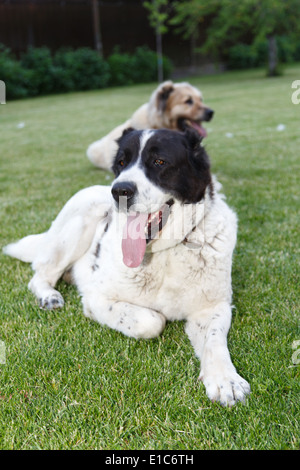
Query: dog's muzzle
208,114
183,123
125,189
140,228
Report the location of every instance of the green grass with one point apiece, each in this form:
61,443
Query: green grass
69,383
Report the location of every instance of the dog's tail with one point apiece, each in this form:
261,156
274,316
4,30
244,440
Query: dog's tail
25,249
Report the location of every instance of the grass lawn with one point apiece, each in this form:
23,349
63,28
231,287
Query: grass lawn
69,383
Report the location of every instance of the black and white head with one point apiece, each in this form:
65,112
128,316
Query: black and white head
155,169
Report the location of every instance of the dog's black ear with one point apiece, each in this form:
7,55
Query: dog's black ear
118,141
126,131
193,137
163,94
198,156
195,176
129,129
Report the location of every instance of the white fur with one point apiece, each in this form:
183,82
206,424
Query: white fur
183,277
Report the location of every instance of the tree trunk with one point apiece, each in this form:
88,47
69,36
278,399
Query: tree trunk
273,56
96,24
160,72
193,39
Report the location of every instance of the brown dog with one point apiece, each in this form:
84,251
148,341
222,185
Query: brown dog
171,106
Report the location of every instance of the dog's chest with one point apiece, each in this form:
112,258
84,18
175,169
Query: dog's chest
167,281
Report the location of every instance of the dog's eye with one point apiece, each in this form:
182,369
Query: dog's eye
159,162
189,101
121,163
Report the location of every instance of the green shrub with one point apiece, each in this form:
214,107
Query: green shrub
260,48
39,73
15,77
140,67
297,52
242,56
145,68
81,69
286,49
121,67
63,71
42,77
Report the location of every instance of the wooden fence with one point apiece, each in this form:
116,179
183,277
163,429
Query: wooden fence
70,23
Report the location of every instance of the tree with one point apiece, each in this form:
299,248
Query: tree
158,15
188,18
96,27
272,18
230,20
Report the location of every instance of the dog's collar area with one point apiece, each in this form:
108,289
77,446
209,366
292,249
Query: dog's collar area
191,244
157,220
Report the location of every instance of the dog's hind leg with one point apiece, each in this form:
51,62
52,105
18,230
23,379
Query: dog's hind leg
35,249
70,235
61,247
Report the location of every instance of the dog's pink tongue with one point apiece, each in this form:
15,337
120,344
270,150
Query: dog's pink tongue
200,129
134,240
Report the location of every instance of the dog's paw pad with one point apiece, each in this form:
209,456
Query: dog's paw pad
227,390
51,302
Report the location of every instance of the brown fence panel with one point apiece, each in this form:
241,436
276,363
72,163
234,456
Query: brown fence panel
69,23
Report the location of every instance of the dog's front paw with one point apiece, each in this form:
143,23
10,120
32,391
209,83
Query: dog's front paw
227,389
51,302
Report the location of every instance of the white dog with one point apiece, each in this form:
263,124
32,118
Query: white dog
155,246
171,106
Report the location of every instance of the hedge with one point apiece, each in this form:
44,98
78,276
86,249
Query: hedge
244,56
38,72
140,67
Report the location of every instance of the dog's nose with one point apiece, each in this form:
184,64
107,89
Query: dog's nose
208,115
125,189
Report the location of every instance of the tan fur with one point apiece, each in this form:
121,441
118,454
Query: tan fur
167,103
177,106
